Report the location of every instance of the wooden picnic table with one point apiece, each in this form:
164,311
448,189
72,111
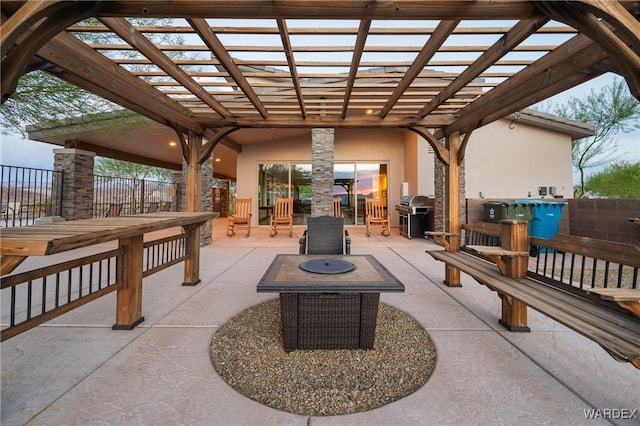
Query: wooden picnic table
16,244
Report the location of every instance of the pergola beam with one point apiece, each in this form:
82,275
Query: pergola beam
361,39
71,55
326,9
137,40
430,48
218,49
288,51
515,36
535,81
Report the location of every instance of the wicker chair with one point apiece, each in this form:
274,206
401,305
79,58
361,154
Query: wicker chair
282,215
325,235
153,207
376,214
241,216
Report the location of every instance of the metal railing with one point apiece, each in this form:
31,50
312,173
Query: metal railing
27,194
571,261
127,196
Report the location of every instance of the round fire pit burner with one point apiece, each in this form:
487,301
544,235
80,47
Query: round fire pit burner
327,266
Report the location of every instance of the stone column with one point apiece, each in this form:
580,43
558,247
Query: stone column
322,147
77,182
206,195
179,196
206,199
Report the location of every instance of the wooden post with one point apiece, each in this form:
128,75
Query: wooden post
452,205
129,297
514,237
192,263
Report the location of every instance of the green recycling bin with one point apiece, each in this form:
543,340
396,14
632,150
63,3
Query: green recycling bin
495,211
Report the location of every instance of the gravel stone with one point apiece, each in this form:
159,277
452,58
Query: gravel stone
247,353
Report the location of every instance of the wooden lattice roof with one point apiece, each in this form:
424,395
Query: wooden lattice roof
444,65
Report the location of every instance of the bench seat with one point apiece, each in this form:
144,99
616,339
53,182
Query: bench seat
617,332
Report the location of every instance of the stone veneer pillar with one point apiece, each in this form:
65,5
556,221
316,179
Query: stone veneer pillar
440,194
206,195
77,182
322,147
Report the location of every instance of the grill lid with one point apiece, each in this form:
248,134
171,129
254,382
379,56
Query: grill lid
415,201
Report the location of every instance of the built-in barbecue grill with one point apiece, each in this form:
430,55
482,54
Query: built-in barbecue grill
413,211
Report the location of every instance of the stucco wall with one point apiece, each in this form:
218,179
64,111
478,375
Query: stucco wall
508,163
362,145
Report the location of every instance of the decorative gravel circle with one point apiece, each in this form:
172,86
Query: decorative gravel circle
247,352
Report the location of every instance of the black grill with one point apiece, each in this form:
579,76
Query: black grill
413,211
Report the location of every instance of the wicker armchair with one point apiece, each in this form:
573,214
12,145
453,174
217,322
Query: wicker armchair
325,235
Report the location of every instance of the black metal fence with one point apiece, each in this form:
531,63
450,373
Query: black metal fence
114,196
27,194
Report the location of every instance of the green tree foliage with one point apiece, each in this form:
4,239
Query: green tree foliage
130,174
612,110
41,98
134,171
620,180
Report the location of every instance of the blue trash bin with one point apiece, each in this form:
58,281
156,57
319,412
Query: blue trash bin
546,218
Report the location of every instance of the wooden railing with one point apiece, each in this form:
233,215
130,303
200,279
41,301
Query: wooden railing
568,260
35,297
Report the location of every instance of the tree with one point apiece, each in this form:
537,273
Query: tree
41,98
612,110
620,180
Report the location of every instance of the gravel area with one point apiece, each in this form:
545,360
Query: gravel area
247,353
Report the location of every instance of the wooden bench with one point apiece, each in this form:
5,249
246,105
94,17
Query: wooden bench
616,330
618,333
626,298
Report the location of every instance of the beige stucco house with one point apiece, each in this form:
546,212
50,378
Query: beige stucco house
510,158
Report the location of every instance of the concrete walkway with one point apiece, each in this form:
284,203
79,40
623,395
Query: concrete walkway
76,370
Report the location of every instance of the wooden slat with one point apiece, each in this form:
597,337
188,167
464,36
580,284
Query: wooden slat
617,294
625,254
53,238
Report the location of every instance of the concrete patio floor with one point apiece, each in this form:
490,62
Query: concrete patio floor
76,370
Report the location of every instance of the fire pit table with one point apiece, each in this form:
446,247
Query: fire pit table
328,301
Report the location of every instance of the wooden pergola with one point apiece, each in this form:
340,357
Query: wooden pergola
436,67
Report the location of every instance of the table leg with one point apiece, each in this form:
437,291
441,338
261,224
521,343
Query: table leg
192,263
129,297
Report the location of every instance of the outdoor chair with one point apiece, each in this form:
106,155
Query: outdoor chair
113,210
325,235
153,207
241,217
282,215
166,206
376,215
337,209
